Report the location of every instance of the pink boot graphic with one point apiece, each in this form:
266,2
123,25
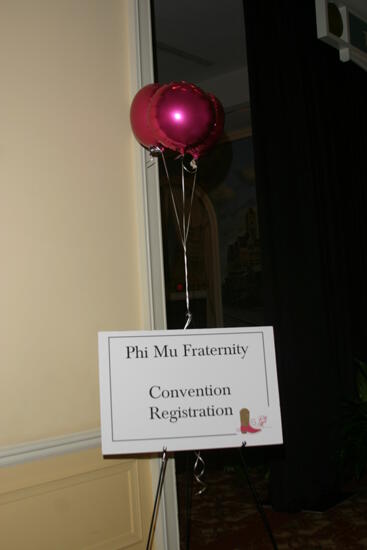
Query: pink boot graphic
245,422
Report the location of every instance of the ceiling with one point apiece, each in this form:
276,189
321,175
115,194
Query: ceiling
357,6
203,41
198,40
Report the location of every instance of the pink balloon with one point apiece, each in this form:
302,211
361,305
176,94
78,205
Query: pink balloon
216,131
139,116
181,115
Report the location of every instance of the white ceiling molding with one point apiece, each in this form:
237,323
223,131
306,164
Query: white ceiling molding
343,25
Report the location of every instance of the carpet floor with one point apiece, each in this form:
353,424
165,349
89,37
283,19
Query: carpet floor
225,517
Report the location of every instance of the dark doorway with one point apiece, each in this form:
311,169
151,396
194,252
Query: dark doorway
204,43
307,275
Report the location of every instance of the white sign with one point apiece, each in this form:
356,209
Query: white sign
188,389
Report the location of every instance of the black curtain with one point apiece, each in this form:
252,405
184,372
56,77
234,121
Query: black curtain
310,141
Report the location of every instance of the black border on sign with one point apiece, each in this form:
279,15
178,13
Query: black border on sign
178,335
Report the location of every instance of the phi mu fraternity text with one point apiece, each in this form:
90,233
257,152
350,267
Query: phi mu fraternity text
186,350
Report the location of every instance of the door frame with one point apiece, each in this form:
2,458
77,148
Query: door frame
151,248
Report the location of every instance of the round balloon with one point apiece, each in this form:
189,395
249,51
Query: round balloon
181,115
215,133
139,116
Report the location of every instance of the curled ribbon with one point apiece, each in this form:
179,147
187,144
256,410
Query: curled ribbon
199,471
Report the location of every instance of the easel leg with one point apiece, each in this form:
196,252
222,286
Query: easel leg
188,498
256,498
157,499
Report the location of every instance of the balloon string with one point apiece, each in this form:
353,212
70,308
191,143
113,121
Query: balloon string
184,245
191,202
185,231
172,197
183,208
199,465
184,226
188,312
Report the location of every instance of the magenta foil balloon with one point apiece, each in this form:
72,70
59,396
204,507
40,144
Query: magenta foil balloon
181,115
139,112
216,131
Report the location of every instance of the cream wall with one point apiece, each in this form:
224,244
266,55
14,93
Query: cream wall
68,224
70,266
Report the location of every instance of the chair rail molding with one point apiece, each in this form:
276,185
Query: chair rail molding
53,446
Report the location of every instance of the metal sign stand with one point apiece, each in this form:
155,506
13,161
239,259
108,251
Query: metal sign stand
199,467
259,506
153,522
188,504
